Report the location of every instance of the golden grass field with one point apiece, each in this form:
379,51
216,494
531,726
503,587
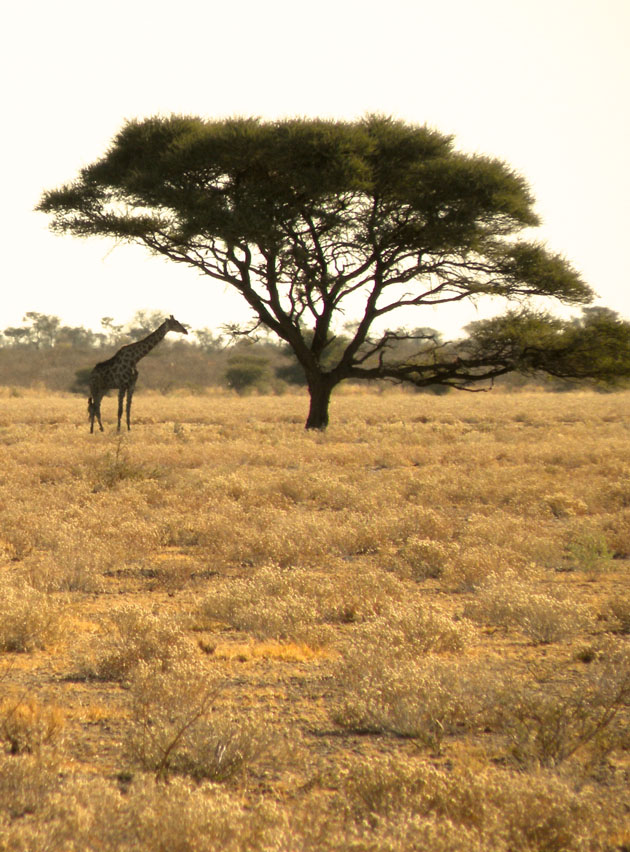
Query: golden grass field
409,632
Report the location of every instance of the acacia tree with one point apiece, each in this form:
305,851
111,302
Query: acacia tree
314,222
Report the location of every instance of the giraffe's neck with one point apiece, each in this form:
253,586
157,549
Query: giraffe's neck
142,347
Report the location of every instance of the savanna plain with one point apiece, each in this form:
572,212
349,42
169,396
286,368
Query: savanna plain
410,632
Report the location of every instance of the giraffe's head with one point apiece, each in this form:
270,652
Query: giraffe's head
173,325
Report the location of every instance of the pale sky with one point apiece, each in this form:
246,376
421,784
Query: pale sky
541,84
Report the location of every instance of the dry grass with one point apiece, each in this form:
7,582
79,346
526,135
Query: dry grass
411,631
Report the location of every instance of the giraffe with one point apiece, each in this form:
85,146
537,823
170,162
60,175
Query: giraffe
120,372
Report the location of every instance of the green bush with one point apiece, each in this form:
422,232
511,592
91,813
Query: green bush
246,372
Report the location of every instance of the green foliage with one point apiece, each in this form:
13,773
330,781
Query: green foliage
589,551
246,372
259,184
595,346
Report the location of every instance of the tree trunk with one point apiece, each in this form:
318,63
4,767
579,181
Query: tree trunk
320,392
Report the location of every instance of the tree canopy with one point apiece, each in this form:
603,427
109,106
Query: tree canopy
318,222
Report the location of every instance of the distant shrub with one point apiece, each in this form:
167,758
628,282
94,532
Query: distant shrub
81,380
134,636
296,603
616,611
420,558
508,601
407,628
471,566
246,372
28,619
588,550
423,699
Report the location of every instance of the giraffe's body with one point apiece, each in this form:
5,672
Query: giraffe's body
119,372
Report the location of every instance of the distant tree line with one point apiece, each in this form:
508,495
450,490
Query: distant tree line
45,331
46,353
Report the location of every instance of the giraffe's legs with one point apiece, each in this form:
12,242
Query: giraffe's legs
94,410
130,391
121,396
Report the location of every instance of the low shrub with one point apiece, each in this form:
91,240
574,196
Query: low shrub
425,699
484,809
28,619
616,612
27,727
299,604
550,719
510,602
134,636
178,729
